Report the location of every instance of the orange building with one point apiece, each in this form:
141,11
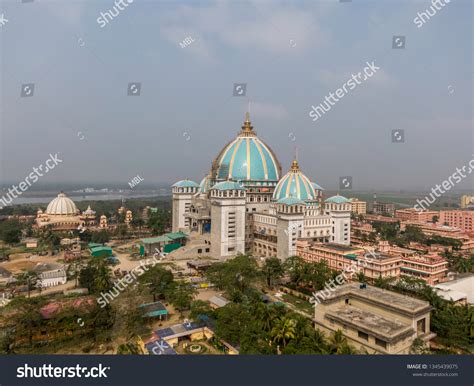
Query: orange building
431,268
411,214
462,219
340,257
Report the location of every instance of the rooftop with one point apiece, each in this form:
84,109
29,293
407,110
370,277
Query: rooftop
337,199
218,301
366,321
383,298
154,309
185,184
228,185
463,285
45,267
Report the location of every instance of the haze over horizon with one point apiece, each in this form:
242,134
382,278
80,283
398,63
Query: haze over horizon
290,57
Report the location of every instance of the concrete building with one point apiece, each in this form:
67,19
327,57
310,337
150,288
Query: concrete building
462,219
431,268
358,206
245,205
50,275
372,319
467,201
380,208
460,290
340,257
411,214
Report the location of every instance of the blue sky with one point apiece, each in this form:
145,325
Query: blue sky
290,54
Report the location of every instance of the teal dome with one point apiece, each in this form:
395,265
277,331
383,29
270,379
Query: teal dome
337,200
228,185
185,184
247,158
290,201
205,184
296,185
316,186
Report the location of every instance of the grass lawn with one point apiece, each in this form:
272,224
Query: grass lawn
300,304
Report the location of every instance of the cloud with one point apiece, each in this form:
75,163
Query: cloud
275,28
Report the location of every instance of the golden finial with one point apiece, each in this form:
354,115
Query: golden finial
247,127
294,165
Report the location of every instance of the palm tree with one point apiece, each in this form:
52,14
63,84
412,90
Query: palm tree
30,279
337,342
464,265
264,315
284,330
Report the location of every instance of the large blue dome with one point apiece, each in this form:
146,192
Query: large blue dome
296,185
247,158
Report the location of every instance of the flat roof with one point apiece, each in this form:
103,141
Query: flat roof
384,298
339,247
154,309
219,301
464,285
370,323
155,240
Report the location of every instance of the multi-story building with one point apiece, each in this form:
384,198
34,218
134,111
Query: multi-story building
245,205
379,218
467,201
372,319
462,219
382,208
411,214
340,257
431,268
358,206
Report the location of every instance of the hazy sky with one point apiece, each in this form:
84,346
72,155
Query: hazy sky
290,54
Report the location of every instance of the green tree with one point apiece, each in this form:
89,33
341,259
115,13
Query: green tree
234,276
96,276
10,231
26,317
30,279
231,321
272,270
283,330
200,308
158,280
100,237
338,344
181,295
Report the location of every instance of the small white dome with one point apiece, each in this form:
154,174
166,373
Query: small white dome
62,206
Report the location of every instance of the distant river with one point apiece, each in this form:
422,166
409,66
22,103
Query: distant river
87,197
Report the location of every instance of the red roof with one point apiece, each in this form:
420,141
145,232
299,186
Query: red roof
51,309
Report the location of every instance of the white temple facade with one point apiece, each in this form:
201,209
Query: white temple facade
245,205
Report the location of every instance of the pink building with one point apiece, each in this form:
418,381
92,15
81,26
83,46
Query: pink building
411,214
462,219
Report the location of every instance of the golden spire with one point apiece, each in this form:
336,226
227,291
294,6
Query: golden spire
247,127
294,166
